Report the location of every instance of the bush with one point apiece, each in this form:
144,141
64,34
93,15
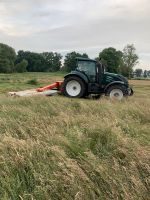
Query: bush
32,82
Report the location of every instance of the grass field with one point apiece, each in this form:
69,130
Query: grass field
54,148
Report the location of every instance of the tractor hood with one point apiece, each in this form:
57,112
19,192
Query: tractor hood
110,77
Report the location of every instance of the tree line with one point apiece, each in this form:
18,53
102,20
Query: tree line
141,73
115,61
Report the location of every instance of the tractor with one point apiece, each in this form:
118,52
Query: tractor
90,78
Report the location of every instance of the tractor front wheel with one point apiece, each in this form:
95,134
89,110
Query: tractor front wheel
116,92
74,87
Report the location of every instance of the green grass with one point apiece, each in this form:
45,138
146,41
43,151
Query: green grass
60,148
11,82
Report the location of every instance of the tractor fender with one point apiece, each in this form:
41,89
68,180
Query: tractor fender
114,83
78,74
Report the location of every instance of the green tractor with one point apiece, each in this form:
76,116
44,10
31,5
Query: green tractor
89,78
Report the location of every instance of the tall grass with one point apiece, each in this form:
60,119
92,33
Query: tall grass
60,148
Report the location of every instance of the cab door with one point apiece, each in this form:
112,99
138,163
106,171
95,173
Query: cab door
99,72
89,69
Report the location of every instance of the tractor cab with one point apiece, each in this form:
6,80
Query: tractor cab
91,68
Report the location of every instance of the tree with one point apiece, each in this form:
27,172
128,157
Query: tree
22,66
7,58
130,59
138,72
40,62
148,73
56,64
145,73
111,58
53,61
70,60
125,71
36,62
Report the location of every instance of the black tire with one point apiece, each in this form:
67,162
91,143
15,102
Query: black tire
121,91
80,82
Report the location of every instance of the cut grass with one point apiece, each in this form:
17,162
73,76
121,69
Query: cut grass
61,148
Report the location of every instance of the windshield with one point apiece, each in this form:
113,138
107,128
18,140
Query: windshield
88,68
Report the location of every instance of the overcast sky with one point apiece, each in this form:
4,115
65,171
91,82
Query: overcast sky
80,25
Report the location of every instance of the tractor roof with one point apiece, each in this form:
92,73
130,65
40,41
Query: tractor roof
84,59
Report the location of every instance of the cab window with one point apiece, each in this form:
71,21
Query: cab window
88,68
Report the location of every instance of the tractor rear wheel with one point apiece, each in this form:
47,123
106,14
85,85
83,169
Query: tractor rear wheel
116,92
74,87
